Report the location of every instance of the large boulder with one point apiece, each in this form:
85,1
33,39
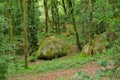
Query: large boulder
52,47
98,46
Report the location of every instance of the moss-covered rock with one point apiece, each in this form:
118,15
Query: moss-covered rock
98,46
52,47
87,50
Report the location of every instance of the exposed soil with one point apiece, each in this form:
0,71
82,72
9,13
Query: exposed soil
89,68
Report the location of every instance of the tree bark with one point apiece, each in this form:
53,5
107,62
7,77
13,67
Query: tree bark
25,33
65,10
52,12
90,27
46,15
57,15
74,23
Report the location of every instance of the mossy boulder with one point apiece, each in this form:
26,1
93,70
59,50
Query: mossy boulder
98,46
51,48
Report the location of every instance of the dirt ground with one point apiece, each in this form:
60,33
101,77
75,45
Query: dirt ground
89,68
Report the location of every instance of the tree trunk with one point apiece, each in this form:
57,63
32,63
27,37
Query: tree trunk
74,23
65,12
46,15
25,33
63,3
90,27
52,12
57,15
83,22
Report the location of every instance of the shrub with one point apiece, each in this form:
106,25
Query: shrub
32,59
3,68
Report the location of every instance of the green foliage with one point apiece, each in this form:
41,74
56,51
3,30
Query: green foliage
56,64
103,62
32,58
3,69
115,52
82,76
1,1
8,64
33,21
103,73
106,17
3,40
118,72
100,74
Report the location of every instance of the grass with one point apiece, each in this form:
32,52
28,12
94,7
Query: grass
49,66
58,64
75,61
72,62
70,39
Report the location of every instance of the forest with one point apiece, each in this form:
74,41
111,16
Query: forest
59,39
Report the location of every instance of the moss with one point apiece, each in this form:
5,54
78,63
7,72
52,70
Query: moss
98,46
87,50
52,47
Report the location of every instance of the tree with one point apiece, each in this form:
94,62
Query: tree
55,15
90,27
83,14
46,15
71,7
64,7
25,32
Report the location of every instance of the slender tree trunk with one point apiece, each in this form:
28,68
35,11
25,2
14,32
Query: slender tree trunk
83,22
74,23
46,15
90,27
69,6
52,11
9,16
55,20
25,33
57,15
65,10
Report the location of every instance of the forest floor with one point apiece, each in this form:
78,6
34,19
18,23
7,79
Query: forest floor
67,74
64,68
59,74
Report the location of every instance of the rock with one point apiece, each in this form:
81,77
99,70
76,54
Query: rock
52,47
87,50
98,46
